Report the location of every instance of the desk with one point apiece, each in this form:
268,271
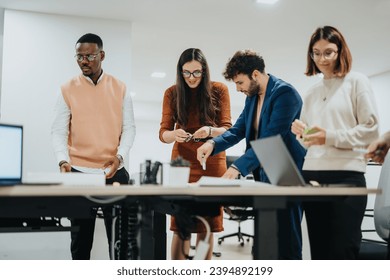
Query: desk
65,201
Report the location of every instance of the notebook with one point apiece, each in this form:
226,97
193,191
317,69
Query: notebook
279,165
11,154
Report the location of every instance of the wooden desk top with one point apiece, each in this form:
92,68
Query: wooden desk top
260,189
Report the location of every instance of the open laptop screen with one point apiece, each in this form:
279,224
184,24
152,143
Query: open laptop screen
11,153
279,165
277,162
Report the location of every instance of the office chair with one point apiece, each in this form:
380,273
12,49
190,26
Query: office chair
238,214
372,248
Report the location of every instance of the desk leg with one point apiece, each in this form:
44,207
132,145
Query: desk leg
388,248
265,245
146,234
153,236
160,236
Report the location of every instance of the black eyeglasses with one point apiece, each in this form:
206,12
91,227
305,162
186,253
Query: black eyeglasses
89,57
196,74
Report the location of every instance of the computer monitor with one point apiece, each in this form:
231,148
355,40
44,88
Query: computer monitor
11,154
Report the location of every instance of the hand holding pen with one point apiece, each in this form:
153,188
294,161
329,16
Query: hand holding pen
203,163
203,152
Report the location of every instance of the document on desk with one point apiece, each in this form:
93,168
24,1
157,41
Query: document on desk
207,181
70,178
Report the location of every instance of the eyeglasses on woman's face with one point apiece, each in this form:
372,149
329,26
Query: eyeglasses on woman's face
327,54
195,74
89,57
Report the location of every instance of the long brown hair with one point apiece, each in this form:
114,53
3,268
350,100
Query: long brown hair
344,58
208,106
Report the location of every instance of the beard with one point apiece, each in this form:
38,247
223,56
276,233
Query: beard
254,88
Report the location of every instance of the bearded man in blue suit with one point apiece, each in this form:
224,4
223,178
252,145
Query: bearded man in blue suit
270,108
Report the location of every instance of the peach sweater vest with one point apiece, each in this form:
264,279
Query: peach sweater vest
96,119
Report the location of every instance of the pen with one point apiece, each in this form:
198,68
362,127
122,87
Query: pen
203,163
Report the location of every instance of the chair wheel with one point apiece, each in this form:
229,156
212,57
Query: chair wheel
220,241
217,254
242,244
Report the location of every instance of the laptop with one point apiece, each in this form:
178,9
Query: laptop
11,154
279,165
11,164
277,162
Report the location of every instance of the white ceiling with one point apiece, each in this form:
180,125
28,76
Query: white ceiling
162,29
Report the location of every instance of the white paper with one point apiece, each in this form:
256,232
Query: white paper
207,181
70,178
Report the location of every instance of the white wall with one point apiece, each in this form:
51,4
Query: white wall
1,49
381,86
38,56
38,52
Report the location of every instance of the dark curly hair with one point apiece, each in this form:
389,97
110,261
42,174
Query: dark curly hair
244,62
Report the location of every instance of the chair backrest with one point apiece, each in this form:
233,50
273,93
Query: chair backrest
230,160
382,202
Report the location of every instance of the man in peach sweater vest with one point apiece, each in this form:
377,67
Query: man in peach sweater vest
93,131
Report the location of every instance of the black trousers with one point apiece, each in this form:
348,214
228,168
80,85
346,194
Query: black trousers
334,227
82,240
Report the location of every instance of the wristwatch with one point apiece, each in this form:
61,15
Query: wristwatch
62,162
210,130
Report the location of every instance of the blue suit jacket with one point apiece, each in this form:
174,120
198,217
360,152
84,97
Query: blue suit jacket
282,105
